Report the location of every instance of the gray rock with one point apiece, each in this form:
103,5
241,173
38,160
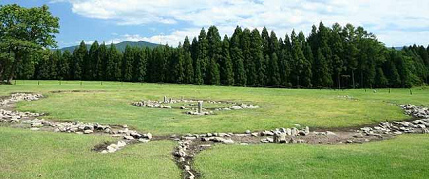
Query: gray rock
267,133
329,133
149,136
88,131
143,140
228,141
129,137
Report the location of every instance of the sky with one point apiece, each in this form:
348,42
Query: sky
394,22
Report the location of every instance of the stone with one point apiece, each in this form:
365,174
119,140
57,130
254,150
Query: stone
288,131
228,141
121,143
247,132
280,138
129,137
397,133
34,129
254,134
104,152
349,141
111,149
200,107
187,168
79,133
267,133
143,140
358,135
235,107
329,133
188,138
149,136
294,132
88,131
36,124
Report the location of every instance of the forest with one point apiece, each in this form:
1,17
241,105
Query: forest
329,57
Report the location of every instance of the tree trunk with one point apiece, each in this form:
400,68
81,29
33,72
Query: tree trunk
361,79
353,78
13,69
1,73
298,81
338,80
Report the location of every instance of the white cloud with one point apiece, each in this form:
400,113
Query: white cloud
383,17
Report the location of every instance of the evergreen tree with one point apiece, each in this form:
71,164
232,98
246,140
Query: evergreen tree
113,70
350,47
202,58
248,59
79,55
93,59
380,79
91,62
258,61
337,53
226,67
63,68
186,45
214,54
189,69
198,78
139,64
127,63
274,75
214,76
265,42
307,70
321,72
391,70
52,65
237,58
101,64
178,65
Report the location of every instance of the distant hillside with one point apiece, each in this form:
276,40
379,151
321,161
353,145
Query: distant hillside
120,46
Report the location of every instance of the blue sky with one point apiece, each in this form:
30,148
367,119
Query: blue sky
395,22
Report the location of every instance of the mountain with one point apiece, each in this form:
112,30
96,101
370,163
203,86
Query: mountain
120,46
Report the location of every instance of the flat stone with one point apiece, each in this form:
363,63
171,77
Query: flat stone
129,137
121,144
143,140
149,136
88,131
228,141
329,133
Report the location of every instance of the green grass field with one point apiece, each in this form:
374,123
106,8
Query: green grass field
110,103
403,157
26,154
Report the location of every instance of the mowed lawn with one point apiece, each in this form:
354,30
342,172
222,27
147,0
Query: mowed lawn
109,103
29,154
402,157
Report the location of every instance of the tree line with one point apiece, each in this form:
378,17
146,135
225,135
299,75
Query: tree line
329,57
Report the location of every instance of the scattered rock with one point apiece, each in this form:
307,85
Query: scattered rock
88,131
